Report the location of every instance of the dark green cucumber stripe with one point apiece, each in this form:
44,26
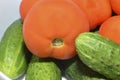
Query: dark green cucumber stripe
80,41
84,55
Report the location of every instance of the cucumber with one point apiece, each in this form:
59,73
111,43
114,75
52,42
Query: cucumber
99,53
43,69
79,71
13,58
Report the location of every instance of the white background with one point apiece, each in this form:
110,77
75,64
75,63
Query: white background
9,11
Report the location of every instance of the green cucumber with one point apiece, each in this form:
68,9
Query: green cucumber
99,53
79,71
13,59
43,69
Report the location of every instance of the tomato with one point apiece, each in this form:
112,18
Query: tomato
115,6
51,26
25,6
111,29
97,11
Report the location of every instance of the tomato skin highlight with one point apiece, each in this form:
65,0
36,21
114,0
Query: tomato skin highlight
50,19
97,11
111,29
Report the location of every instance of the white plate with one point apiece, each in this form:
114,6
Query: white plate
9,12
4,77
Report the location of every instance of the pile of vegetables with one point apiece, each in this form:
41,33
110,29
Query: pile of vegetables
78,39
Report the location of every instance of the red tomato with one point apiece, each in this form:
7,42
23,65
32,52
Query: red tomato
25,6
115,6
51,26
111,29
97,11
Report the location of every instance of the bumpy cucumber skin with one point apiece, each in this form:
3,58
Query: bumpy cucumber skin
100,54
13,60
42,69
79,71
